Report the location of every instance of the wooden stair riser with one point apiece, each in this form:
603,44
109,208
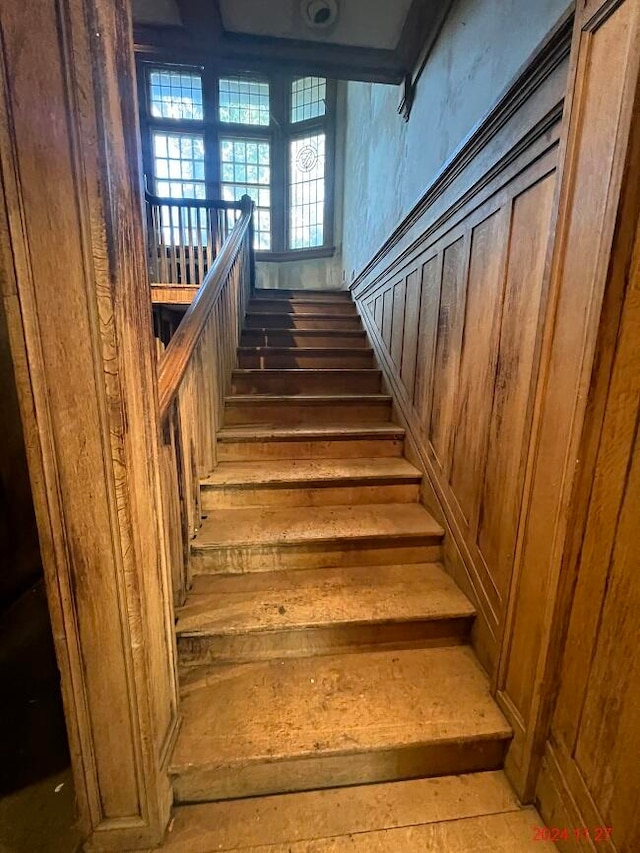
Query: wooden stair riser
306,338
347,448
283,382
330,771
287,412
345,494
310,642
299,321
303,306
365,551
292,359
300,294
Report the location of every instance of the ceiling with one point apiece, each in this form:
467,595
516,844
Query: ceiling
377,40
361,23
365,23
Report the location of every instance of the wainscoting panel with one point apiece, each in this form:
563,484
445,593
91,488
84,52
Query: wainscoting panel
459,332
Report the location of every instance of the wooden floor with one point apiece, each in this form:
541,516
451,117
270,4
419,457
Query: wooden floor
330,698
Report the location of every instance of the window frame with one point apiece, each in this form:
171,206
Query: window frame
279,132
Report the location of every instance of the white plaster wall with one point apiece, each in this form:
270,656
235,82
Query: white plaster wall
390,163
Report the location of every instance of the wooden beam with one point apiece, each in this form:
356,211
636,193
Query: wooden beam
73,283
339,62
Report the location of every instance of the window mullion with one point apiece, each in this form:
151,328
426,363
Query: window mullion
211,136
279,176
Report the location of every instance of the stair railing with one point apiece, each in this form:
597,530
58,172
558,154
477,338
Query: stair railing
193,375
184,236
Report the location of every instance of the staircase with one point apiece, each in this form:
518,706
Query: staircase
322,645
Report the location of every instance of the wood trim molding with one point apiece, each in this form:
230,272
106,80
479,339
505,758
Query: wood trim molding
73,281
539,67
421,32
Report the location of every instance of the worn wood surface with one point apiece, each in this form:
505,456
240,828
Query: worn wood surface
342,813
475,341
590,768
74,286
348,718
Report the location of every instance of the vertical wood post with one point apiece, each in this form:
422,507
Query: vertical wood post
74,283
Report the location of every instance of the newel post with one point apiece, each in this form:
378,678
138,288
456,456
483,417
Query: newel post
247,204
74,286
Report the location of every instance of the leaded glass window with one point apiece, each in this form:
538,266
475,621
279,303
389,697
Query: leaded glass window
245,167
307,191
243,101
176,95
308,98
178,164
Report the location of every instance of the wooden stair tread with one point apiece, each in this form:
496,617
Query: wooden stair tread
301,293
316,351
310,399
272,526
510,832
335,705
276,432
337,372
335,812
312,472
320,597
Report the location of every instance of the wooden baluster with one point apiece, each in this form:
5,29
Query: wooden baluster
163,272
200,259
173,274
192,213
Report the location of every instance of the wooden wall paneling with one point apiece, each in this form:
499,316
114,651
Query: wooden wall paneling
597,149
397,322
520,327
431,283
387,316
377,312
74,283
411,330
489,241
594,741
448,348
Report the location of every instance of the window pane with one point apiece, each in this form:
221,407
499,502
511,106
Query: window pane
243,101
176,94
308,98
306,192
179,157
246,170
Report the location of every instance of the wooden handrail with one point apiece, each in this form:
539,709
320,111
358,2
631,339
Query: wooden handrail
176,357
211,204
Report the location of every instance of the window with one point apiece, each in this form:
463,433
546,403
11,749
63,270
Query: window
178,165
308,98
176,95
244,102
224,136
246,169
306,194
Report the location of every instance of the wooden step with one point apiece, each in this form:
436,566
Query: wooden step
317,338
241,618
333,441
310,482
471,813
325,322
266,539
308,409
300,381
325,295
310,358
341,308
309,723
